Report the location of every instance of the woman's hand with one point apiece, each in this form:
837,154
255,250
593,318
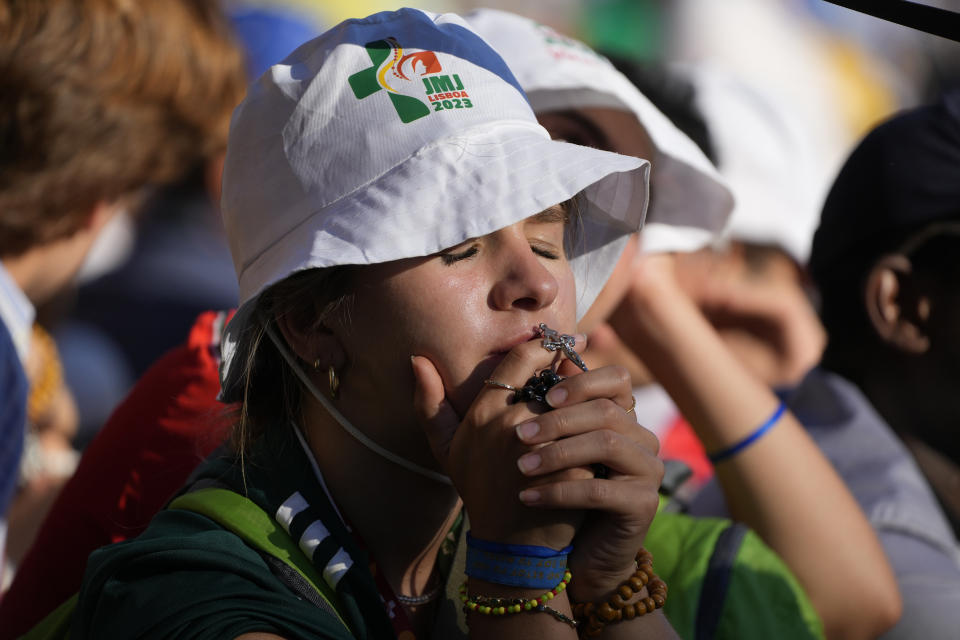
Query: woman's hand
591,425
480,453
526,477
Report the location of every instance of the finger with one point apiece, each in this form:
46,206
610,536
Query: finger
518,365
618,452
438,418
601,413
589,416
607,382
615,496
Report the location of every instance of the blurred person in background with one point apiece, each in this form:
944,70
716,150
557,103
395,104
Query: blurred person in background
902,178
99,507
49,458
752,284
578,96
885,260
177,244
91,116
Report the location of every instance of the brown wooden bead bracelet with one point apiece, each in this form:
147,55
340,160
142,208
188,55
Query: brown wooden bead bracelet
593,617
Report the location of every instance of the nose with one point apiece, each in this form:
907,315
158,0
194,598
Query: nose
524,282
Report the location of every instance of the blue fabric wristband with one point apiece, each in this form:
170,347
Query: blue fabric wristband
750,439
516,565
527,550
516,571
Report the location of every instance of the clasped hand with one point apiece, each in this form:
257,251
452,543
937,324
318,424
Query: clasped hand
524,471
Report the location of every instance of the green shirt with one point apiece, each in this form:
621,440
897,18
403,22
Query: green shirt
186,577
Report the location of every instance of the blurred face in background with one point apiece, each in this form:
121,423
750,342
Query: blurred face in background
602,128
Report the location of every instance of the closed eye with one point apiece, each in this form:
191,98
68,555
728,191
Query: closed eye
450,258
545,253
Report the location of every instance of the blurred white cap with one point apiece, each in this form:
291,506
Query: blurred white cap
766,159
689,202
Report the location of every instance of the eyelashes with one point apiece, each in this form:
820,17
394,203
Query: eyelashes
451,258
545,253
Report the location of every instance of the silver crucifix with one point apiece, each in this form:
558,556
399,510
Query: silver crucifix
555,341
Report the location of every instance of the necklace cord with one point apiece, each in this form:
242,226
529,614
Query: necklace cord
342,420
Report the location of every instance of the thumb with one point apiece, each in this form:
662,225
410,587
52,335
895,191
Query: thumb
438,418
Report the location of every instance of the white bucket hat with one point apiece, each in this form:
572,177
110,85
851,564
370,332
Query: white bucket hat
691,203
397,136
767,158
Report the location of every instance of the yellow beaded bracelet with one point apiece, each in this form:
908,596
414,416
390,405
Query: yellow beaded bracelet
506,606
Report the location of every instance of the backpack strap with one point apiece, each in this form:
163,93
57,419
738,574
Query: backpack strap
716,582
56,624
247,520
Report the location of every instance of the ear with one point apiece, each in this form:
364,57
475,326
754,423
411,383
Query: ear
317,346
897,313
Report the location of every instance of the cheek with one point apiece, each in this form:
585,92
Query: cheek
438,320
567,302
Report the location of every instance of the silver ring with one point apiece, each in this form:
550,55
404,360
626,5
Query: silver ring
490,382
633,405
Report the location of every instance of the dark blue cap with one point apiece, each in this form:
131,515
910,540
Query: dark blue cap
902,177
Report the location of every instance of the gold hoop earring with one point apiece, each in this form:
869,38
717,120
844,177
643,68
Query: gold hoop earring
334,381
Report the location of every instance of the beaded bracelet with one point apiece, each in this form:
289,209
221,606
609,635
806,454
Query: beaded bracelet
593,617
506,606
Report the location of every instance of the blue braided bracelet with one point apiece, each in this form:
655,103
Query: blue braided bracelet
750,439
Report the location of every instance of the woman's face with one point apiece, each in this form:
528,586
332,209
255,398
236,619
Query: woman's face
463,308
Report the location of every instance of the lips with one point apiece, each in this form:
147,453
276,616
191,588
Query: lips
526,336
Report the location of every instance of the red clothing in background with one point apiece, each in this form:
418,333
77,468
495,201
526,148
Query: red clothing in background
168,423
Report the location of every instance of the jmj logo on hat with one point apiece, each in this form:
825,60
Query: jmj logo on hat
396,72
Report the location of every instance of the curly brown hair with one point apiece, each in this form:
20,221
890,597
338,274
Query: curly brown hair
99,98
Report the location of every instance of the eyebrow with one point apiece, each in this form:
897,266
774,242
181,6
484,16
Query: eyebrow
556,213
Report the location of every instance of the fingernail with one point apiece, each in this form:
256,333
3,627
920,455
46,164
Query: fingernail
556,396
529,496
581,340
528,462
527,430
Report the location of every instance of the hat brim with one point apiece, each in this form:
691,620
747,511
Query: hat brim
689,194
487,178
